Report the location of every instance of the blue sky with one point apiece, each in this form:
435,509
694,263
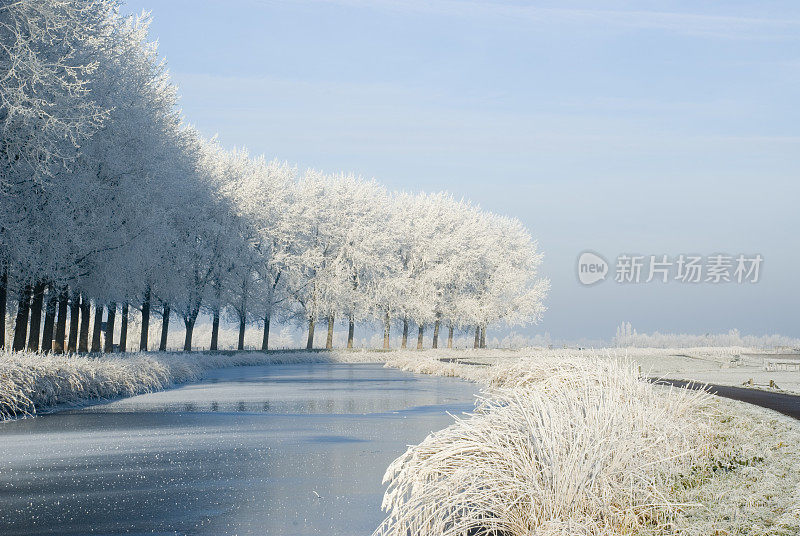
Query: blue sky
621,127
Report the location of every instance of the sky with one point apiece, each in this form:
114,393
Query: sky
641,128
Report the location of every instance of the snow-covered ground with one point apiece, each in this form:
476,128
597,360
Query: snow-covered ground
737,367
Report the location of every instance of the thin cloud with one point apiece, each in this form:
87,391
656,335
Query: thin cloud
705,25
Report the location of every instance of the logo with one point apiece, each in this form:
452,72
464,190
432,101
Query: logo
719,268
592,268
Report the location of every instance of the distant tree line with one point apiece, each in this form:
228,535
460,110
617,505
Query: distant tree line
109,203
628,337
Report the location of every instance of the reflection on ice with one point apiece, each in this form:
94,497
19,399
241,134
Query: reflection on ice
296,389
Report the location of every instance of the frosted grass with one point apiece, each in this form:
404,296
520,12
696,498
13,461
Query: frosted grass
559,444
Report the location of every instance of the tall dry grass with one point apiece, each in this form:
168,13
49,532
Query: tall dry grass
577,445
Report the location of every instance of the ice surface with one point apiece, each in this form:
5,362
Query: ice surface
294,449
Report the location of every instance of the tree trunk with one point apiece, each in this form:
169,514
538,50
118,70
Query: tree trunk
145,321
21,323
214,346
268,313
404,343
386,326
450,337
351,331
242,325
310,342
49,319
243,315
83,335
3,305
419,337
215,330
97,327
436,334
61,321
477,336
74,316
112,313
164,329
36,316
483,336
189,324
265,335
123,330
329,339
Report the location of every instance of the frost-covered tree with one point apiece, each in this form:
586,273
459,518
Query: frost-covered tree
364,255
428,224
131,166
265,196
48,53
318,238
504,285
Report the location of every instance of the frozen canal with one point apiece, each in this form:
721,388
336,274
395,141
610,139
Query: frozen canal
283,450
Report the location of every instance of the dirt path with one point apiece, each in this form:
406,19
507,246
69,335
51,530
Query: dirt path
781,402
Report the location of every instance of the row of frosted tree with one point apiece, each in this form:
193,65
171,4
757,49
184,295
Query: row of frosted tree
110,205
